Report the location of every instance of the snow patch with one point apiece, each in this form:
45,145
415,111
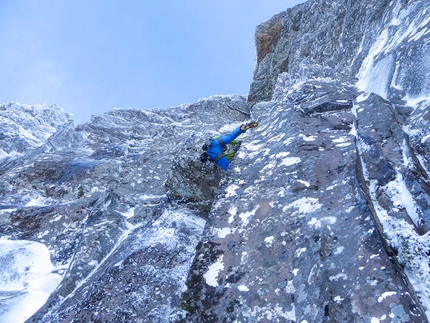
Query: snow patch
269,241
213,271
338,276
342,141
282,154
385,295
308,138
27,278
129,213
229,127
38,201
305,205
290,161
246,215
318,223
243,288
233,213
223,232
338,299
362,97
300,251
231,190
402,198
288,141
304,182
271,313
338,250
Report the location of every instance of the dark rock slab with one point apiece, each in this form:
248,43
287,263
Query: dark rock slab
291,237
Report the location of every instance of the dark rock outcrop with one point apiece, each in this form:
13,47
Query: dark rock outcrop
323,215
293,238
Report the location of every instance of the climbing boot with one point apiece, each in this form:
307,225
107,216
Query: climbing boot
247,126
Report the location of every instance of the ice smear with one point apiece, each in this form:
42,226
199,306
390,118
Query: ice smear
26,279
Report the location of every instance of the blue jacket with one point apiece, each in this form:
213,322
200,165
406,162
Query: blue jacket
215,148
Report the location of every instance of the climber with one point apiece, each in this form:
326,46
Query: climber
215,150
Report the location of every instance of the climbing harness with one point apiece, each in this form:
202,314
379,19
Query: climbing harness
204,157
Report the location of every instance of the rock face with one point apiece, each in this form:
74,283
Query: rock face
323,216
108,208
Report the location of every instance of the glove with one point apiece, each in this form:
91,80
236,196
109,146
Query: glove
247,126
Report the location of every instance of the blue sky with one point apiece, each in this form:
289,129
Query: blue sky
90,56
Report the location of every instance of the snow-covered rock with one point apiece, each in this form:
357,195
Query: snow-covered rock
323,216
25,127
27,278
